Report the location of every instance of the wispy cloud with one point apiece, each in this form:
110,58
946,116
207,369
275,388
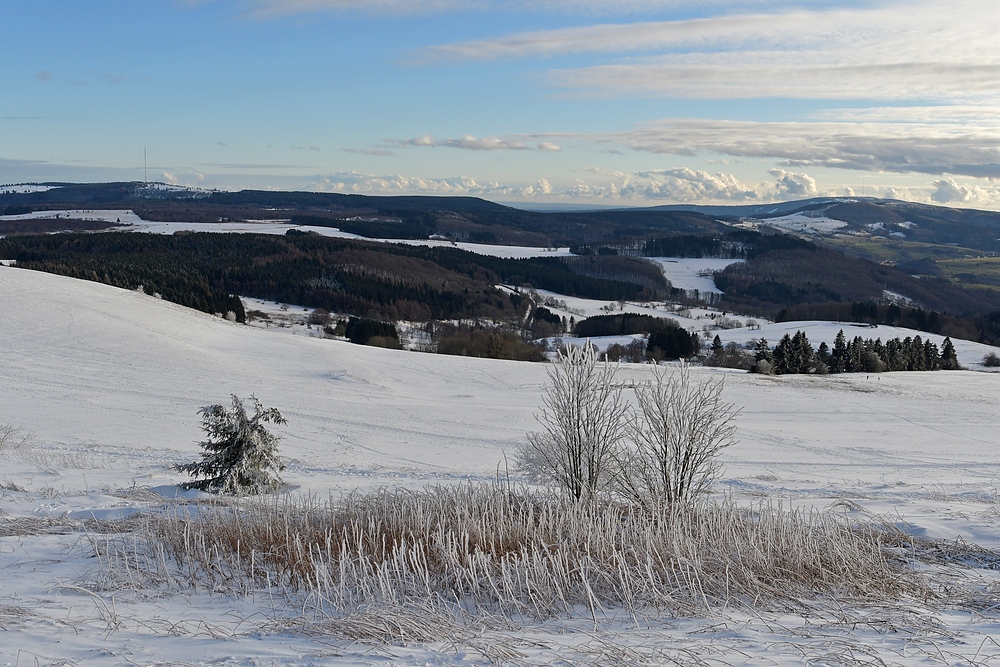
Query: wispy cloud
877,147
359,182
469,142
42,76
923,50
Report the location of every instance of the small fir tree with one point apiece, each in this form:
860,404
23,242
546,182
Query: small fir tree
240,455
949,359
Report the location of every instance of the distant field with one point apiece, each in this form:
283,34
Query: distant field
896,251
982,271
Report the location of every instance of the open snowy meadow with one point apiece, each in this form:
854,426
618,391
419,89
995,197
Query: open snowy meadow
102,387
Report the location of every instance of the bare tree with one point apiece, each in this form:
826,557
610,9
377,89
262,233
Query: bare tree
583,423
676,437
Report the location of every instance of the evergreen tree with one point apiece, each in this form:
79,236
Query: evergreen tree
838,359
932,359
240,455
917,356
949,359
782,355
855,355
823,354
717,347
762,351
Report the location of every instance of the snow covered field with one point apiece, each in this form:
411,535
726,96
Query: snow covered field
110,381
803,224
693,273
23,188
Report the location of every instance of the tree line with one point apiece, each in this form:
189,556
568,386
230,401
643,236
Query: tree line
794,354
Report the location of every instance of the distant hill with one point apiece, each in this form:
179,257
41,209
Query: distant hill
821,254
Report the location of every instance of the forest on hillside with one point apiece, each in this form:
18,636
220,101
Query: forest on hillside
393,282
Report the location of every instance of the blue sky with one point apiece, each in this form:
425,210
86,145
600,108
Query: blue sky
620,102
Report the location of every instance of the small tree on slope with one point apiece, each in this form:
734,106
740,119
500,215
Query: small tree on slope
240,456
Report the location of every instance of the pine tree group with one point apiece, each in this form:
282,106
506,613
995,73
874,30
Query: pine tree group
794,354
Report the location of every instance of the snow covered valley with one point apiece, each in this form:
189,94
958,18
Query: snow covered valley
108,383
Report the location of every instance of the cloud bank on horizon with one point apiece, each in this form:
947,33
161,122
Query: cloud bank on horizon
622,101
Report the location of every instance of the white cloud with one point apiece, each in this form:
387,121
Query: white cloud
792,185
361,183
469,142
687,185
170,177
925,50
936,149
948,191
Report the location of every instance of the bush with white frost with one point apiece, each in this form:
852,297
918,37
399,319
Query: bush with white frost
594,442
675,439
240,455
582,425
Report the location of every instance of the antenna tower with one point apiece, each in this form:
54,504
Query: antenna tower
145,176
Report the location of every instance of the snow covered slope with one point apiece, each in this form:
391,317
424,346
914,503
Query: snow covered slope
110,381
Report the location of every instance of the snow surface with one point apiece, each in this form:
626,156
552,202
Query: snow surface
110,381
693,273
804,224
24,188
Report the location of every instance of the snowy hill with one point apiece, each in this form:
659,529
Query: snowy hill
110,381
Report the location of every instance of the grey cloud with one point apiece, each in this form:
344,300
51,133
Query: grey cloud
42,76
879,147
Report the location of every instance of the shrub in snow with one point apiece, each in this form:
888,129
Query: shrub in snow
681,427
594,442
991,360
583,422
240,455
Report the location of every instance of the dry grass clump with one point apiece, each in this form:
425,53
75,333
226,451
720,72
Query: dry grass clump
483,551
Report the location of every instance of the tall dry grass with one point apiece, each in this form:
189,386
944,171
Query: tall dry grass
484,551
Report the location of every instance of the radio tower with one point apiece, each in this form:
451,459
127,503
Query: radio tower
145,177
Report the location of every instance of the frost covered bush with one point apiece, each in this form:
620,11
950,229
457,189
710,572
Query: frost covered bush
240,455
593,442
675,440
582,425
